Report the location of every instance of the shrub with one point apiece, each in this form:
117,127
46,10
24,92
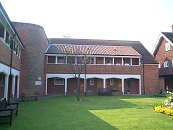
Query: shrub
165,107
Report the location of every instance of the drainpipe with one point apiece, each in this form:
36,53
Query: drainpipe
10,76
143,79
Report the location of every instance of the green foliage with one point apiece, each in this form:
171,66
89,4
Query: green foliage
165,107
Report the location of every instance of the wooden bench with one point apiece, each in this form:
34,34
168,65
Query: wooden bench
30,93
104,91
7,110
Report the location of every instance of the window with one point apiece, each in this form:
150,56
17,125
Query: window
108,60
135,61
51,59
126,61
118,61
71,60
91,81
1,31
111,82
7,40
61,59
166,64
167,46
159,65
99,60
58,81
91,60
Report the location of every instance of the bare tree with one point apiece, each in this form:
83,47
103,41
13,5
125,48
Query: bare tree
77,60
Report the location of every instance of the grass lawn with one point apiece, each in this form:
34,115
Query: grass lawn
92,113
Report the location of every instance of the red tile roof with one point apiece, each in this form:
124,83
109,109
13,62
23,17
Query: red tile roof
146,57
95,50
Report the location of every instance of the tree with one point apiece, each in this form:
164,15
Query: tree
77,60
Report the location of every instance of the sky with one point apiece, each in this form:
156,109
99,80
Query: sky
135,20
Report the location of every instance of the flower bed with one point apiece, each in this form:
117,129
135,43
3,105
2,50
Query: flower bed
165,107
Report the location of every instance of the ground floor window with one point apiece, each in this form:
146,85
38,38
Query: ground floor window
58,81
91,81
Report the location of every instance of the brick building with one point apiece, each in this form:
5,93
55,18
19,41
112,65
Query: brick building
163,53
10,57
121,65
41,64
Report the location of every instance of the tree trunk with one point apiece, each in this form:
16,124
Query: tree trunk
78,87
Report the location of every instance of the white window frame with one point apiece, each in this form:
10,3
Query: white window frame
167,46
92,81
58,81
166,64
111,81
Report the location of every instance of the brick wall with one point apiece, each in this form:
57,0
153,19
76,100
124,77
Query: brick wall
151,79
5,56
35,42
95,69
163,55
149,74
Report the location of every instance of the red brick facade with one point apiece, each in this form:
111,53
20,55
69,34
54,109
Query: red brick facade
35,41
163,55
5,56
149,77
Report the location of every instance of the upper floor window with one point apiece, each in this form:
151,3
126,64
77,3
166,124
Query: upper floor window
167,46
99,60
118,61
90,60
108,60
135,61
2,31
61,59
166,64
51,59
126,61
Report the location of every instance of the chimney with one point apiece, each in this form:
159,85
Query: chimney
172,28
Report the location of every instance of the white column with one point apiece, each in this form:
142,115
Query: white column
4,34
6,87
130,61
13,86
140,91
18,82
46,85
104,83
85,88
65,86
122,61
122,86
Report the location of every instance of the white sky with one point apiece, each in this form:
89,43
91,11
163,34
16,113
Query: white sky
138,20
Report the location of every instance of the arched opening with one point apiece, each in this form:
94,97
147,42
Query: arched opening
56,85
131,86
114,84
2,84
93,84
15,87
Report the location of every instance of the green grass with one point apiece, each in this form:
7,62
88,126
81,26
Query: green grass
92,113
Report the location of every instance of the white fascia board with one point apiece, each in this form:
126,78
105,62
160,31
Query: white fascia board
11,27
